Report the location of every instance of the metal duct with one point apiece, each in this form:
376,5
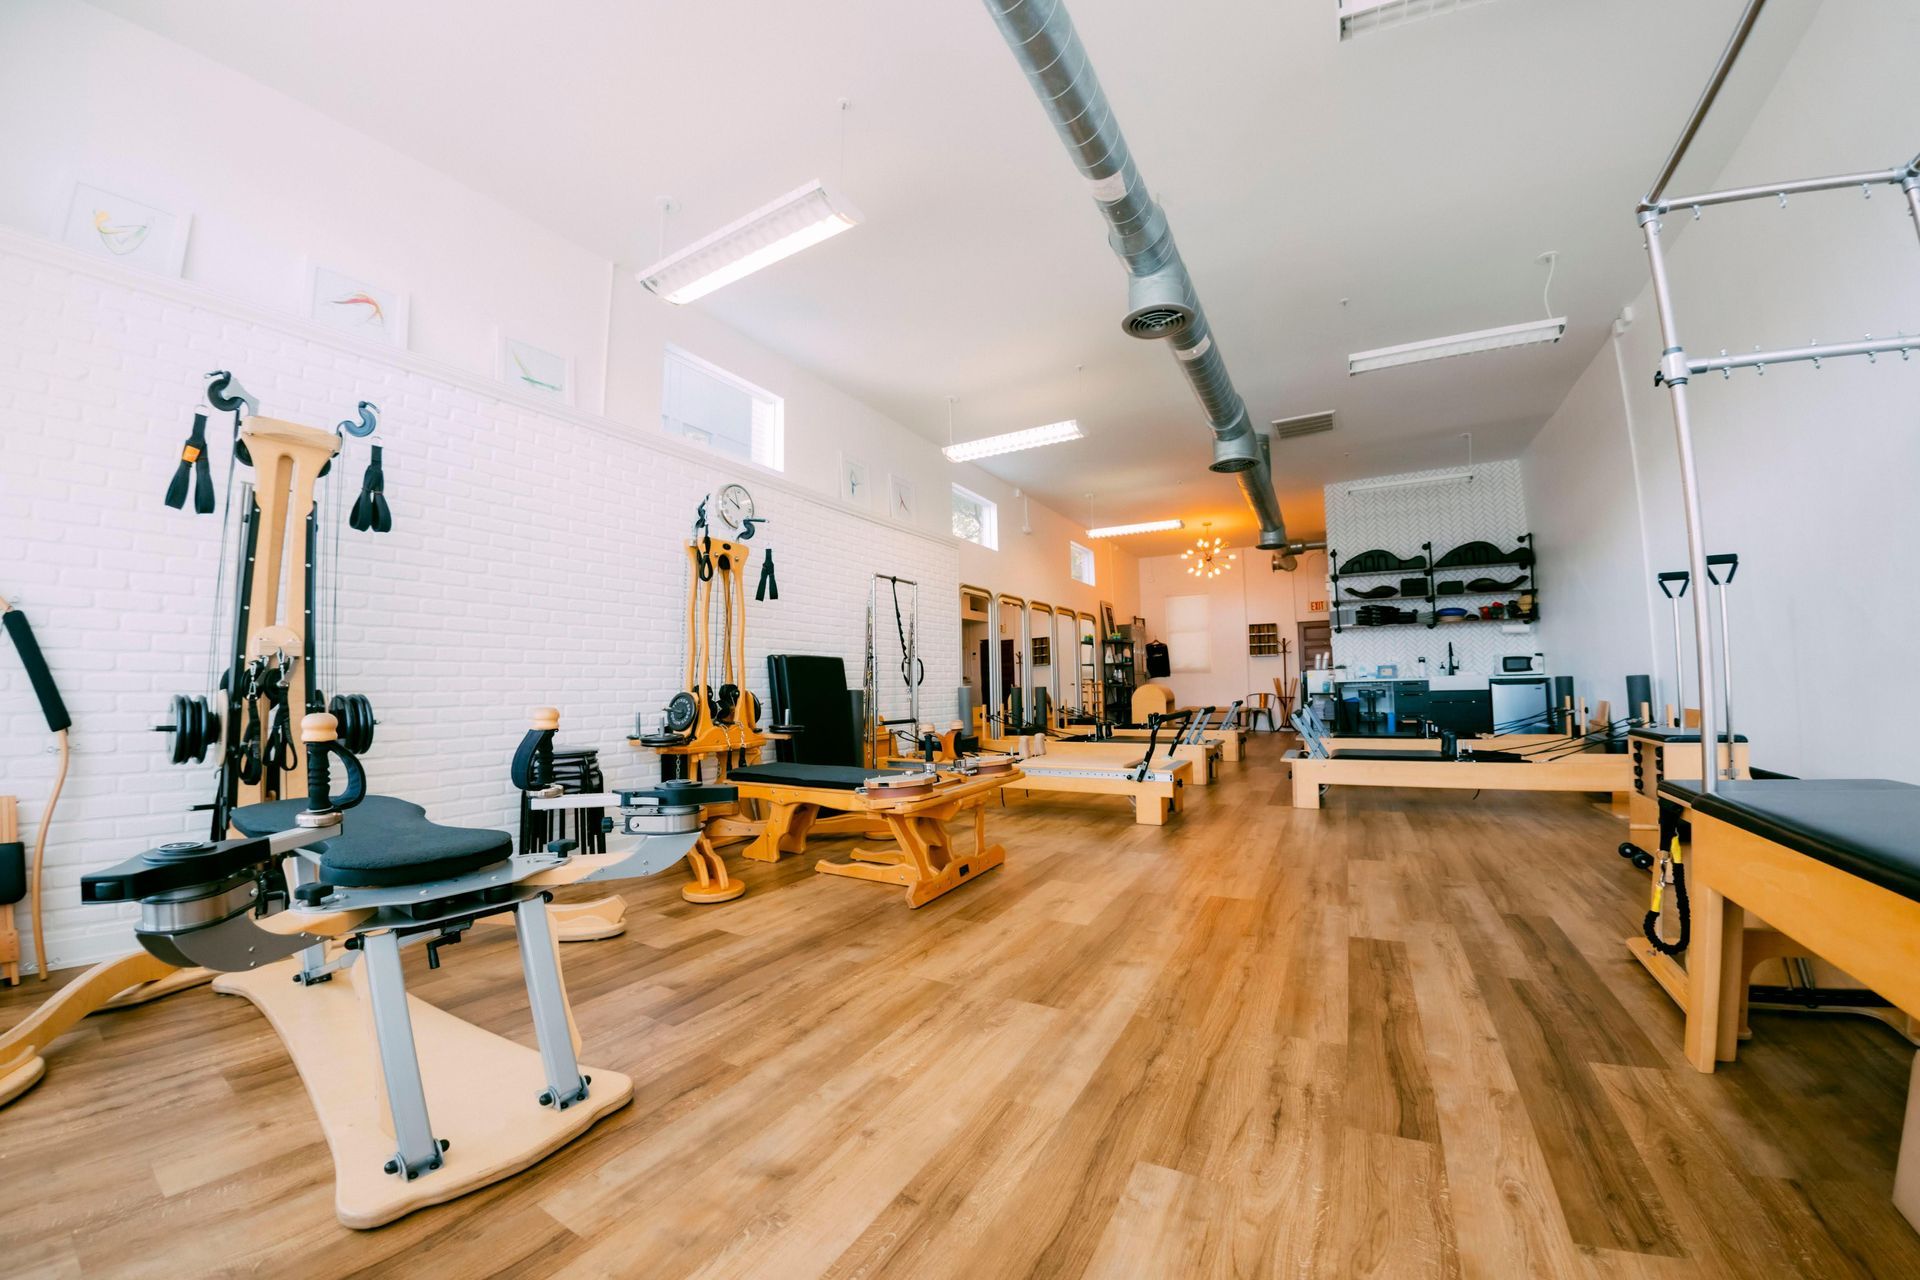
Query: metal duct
1161,300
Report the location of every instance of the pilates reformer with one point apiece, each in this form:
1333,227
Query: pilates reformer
1828,862
912,806
1574,762
1156,787
305,913
1195,742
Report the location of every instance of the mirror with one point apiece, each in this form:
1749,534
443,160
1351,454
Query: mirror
1042,673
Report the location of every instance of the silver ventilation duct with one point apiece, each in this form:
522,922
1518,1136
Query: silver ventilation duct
1161,301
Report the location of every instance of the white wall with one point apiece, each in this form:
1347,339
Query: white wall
1808,475
1250,591
534,554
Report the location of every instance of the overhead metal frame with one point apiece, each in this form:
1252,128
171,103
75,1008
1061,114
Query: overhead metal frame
1677,368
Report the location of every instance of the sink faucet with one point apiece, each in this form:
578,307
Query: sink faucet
1453,663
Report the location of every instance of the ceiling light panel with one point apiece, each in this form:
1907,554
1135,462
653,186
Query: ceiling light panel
774,231
1013,441
1458,344
1145,526
1362,17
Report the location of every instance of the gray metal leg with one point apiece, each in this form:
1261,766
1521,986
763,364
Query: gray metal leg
400,1065
548,1000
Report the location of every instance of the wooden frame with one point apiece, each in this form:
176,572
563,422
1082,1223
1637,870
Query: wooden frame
1580,771
1870,932
921,858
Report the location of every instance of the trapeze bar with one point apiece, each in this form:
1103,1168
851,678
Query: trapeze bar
1700,109
1733,195
1902,343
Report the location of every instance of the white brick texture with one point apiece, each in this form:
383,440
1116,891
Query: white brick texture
536,557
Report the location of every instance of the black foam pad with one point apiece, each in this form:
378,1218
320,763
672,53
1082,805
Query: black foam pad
1362,753
811,692
385,842
1863,826
833,777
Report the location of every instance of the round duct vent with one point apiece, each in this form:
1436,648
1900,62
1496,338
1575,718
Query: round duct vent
1231,464
1158,321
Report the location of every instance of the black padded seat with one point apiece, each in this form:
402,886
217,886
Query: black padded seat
1370,753
385,842
832,777
1867,827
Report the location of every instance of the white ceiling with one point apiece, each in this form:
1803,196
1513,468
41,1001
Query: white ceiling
1328,197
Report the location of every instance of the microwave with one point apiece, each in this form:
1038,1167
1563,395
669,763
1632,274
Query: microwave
1523,664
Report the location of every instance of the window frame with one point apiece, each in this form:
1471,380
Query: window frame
989,517
753,390
1074,551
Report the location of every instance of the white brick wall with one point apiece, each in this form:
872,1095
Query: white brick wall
535,559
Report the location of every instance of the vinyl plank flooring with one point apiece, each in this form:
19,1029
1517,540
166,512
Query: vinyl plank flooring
1397,1036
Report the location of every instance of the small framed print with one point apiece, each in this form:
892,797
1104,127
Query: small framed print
854,487
124,229
900,499
356,306
526,367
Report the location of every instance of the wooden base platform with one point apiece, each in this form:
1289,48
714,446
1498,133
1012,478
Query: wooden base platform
481,1093
113,984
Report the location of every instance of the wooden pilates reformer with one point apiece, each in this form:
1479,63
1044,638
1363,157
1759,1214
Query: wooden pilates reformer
912,806
1202,743
1150,776
1562,764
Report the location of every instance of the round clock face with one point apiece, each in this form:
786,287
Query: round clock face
736,506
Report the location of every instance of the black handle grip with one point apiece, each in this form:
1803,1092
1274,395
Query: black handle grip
38,674
1730,559
319,781
1680,576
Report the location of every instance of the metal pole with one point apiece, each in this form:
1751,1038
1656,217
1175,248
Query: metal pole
1793,187
1911,185
1901,343
1673,371
1726,651
990,696
1740,32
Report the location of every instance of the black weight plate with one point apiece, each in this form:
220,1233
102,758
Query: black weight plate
682,711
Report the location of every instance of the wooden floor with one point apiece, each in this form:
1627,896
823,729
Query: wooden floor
1398,1036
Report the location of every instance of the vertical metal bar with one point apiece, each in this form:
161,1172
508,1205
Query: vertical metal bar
913,667
1674,372
547,998
1911,185
399,1063
990,696
1741,30
1726,682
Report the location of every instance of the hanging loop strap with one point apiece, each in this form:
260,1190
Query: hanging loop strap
769,588
370,510
193,463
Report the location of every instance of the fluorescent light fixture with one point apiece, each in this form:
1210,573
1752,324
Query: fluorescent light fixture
1357,17
1145,526
1459,344
1013,441
1408,483
768,234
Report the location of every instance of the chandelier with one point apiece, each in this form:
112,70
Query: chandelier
1204,558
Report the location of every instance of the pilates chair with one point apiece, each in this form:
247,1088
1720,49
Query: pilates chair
1258,705
306,913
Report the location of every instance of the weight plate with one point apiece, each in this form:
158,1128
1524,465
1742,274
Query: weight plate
682,711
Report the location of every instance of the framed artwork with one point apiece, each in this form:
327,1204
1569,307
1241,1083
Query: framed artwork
900,499
526,367
357,307
106,225
853,483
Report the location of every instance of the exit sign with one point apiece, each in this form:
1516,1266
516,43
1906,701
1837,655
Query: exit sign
1316,606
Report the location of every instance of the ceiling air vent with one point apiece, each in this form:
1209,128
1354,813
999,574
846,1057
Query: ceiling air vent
1307,424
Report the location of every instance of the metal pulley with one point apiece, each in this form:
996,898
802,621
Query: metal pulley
194,726
353,713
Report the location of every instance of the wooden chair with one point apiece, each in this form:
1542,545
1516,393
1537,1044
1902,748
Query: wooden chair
1258,704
